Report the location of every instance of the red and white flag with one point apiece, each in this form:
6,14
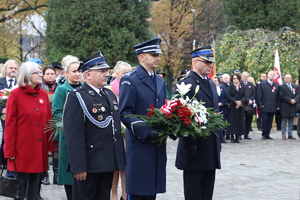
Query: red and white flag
277,70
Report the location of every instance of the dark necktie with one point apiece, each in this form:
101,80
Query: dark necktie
245,83
152,77
10,83
102,93
290,86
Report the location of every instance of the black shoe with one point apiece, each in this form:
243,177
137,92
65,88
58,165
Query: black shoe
240,138
263,137
260,129
233,140
246,137
46,180
237,140
250,129
269,138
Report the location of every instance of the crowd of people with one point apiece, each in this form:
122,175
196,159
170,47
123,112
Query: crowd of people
245,98
102,139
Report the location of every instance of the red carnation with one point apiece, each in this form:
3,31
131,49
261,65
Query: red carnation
151,111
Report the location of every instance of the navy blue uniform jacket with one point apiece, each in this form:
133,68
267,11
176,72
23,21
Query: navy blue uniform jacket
92,149
146,161
208,149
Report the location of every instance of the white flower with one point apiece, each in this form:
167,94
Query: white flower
197,89
183,89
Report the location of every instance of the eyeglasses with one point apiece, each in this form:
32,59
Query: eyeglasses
206,62
37,73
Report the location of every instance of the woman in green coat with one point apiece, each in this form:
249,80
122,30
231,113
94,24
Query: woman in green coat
73,76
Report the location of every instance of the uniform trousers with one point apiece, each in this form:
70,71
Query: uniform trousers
267,119
199,185
97,186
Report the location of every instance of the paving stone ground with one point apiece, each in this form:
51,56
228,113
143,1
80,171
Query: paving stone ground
252,170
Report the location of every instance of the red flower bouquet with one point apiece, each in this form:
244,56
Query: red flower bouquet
183,117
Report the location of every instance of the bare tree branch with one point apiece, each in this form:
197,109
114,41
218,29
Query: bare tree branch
29,8
37,30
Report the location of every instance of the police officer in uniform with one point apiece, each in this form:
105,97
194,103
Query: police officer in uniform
146,161
199,158
93,132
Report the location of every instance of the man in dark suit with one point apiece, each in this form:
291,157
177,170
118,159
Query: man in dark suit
263,77
93,132
288,93
8,80
9,74
146,161
268,102
199,158
250,95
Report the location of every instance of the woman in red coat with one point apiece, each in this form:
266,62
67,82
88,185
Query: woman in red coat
26,141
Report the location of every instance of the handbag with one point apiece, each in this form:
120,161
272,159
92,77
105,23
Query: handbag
9,187
248,109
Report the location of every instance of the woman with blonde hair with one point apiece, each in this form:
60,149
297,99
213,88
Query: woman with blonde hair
120,69
251,79
73,76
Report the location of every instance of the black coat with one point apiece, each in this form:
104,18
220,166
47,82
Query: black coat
249,91
226,85
267,96
236,115
93,149
208,149
285,94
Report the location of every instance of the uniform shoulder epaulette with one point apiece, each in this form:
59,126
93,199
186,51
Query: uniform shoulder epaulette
130,73
78,89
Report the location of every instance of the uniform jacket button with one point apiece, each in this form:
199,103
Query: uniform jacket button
38,124
39,140
37,109
92,146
